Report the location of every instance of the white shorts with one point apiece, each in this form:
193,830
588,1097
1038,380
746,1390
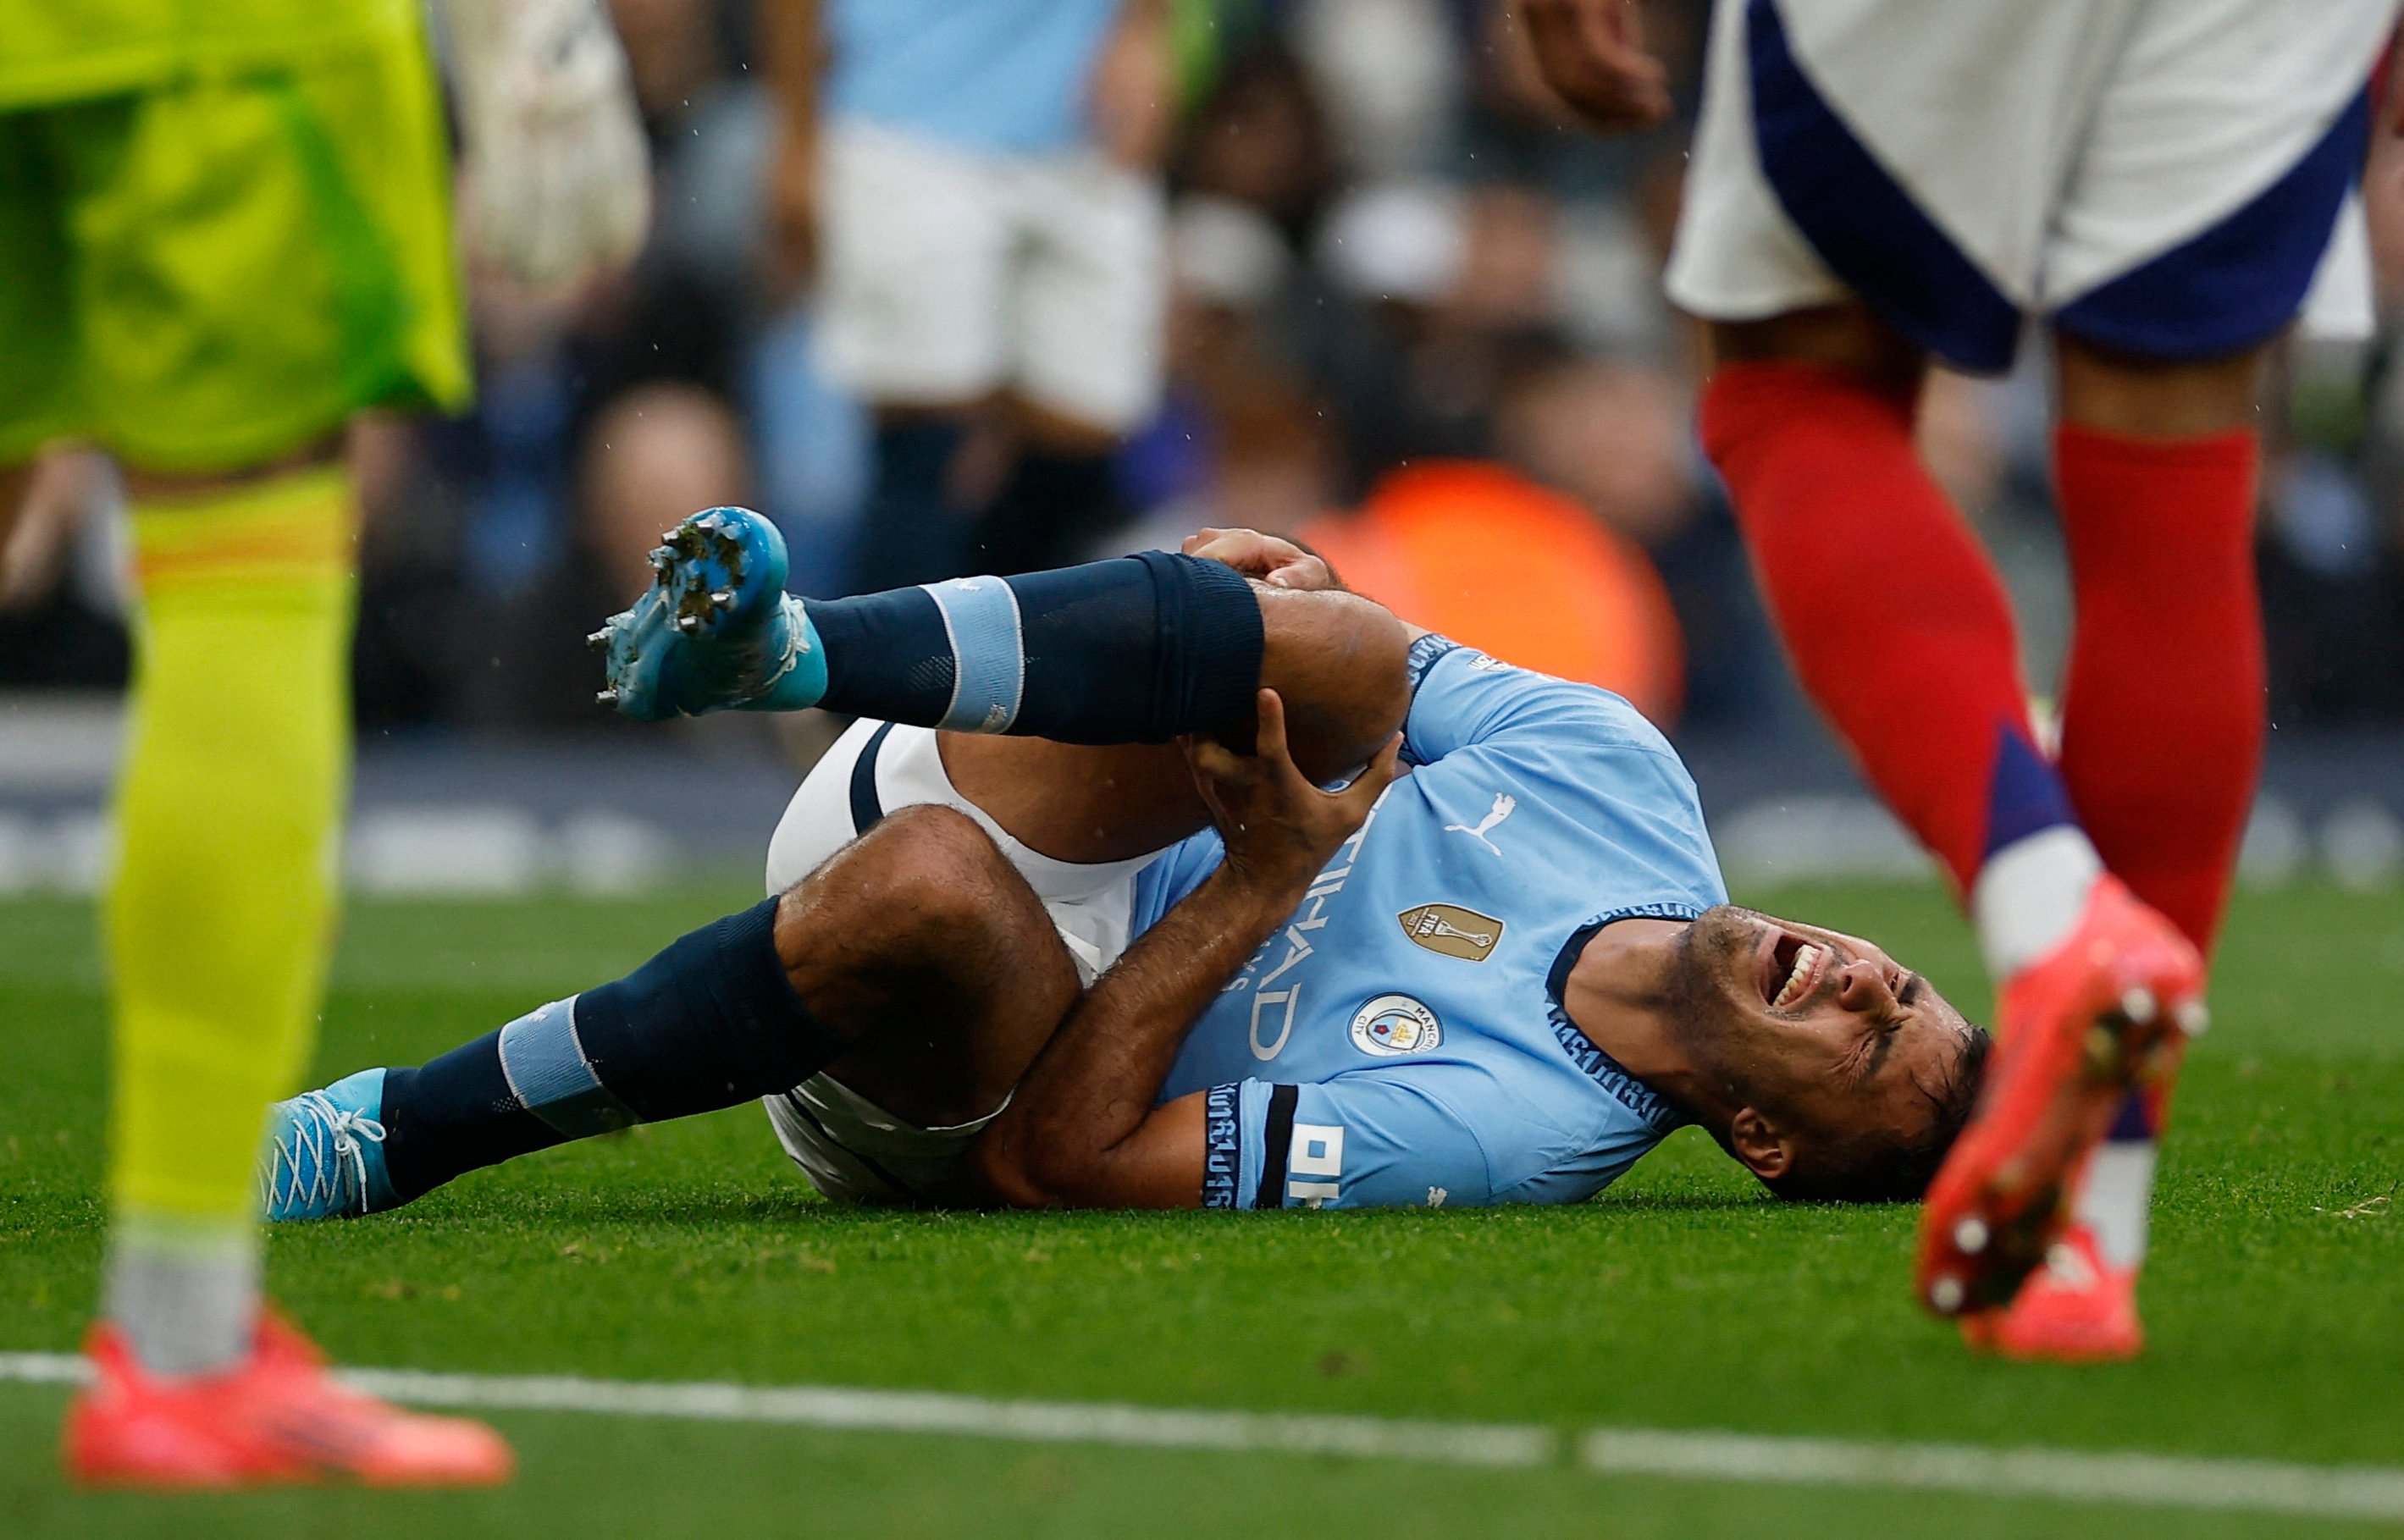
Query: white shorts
946,274
852,1149
2161,176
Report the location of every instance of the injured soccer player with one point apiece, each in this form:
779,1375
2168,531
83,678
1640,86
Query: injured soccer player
1070,917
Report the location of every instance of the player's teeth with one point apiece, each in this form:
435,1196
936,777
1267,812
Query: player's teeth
1804,961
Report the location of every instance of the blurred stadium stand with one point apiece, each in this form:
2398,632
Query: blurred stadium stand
1385,251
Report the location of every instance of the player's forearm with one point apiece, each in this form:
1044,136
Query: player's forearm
1071,1135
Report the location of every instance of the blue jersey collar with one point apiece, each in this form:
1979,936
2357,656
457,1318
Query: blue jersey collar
1605,1070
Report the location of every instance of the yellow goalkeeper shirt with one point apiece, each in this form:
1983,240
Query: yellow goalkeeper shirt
62,50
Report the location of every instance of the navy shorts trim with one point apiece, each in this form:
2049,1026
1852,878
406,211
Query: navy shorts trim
867,807
2237,284
1860,220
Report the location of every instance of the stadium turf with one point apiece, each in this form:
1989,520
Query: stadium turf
1682,1299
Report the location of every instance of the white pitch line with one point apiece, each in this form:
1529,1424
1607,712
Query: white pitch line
930,1412
2071,1476
2230,1485
1488,1444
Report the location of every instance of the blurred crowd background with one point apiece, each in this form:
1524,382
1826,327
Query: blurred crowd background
1413,314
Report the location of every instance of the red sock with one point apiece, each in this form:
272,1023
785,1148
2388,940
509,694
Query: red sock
1896,618
2162,715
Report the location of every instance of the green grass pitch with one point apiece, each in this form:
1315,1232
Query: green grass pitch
1683,1299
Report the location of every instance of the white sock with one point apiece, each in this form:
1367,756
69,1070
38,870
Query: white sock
185,1295
2029,894
2116,1199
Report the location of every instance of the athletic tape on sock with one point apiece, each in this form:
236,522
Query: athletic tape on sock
2030,894
2116,1198
552,1078
989,679
184,1292
2039,865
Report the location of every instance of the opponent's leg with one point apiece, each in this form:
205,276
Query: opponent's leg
2162,722
1901,631
1896,618
2157,466
218,921
219,915
914,962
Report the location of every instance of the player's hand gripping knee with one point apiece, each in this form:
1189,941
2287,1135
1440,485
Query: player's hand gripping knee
1280,829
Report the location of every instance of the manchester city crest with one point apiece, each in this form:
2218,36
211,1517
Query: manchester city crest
1391,1026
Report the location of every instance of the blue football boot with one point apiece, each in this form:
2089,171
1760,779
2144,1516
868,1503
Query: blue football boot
716,631
325,1153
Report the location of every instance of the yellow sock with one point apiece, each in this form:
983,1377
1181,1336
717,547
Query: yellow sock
227,822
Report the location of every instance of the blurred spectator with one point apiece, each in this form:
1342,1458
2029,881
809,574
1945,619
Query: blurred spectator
1390,72
1612,435
62,586
1489,558
1261,139
987,240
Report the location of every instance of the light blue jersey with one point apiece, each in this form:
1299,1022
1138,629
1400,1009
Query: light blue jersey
1008,75
1400,1039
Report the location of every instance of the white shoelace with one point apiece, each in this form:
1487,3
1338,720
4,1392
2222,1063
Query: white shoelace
325,1146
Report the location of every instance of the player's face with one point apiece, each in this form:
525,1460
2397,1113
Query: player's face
1823,1030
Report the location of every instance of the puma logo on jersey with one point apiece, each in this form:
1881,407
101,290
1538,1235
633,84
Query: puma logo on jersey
1455,932
1504,806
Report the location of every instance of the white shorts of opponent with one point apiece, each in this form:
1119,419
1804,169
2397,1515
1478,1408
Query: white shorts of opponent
947,274
2156,177
852,1149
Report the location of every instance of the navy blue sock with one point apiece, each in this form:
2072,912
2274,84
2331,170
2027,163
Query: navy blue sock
911,531
711,1022
1136,650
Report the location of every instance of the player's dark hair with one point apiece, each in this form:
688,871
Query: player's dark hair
1885,1168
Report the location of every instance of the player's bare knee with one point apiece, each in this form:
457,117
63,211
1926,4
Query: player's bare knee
933,870
2145,398
1342,664
917,864
1849,338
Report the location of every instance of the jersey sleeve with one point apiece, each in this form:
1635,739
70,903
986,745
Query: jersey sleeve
1462,698
1367,1140
1493,742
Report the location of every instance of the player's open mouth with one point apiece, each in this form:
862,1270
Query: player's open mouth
1791,969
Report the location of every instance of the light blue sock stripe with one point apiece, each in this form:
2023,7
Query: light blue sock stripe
547,1069
982,616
